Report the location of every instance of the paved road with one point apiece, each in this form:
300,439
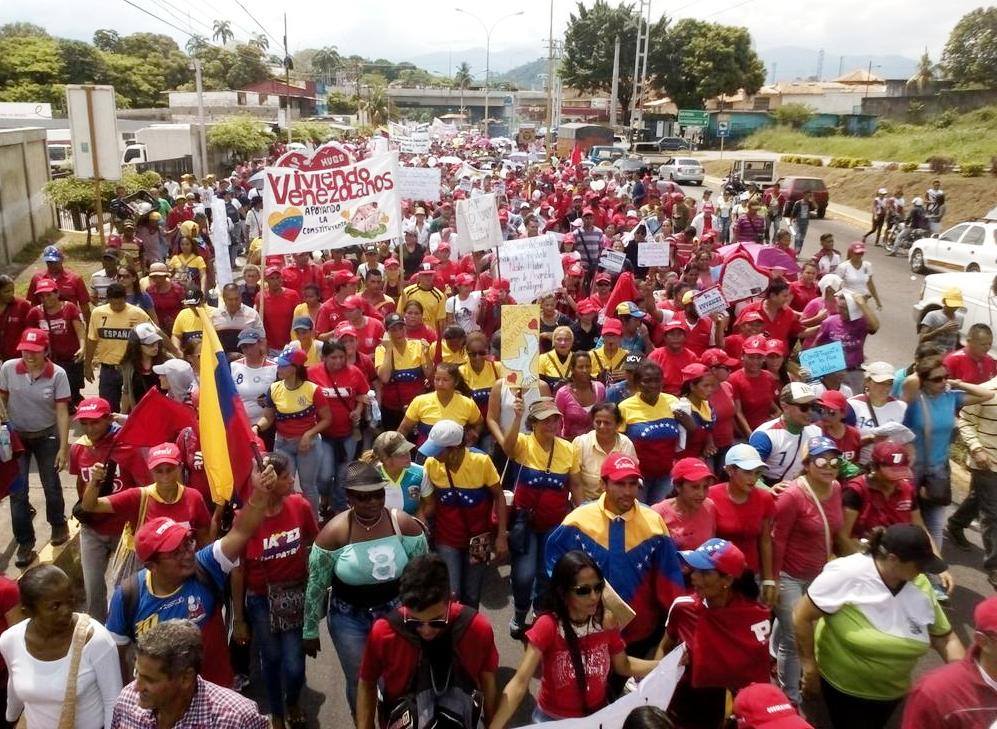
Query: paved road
324,698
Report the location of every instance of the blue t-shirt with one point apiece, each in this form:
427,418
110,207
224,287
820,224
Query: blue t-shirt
942,409
193,600
618,392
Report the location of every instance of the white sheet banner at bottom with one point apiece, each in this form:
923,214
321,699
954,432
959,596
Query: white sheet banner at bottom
656,689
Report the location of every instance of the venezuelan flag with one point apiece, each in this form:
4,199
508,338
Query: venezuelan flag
224,426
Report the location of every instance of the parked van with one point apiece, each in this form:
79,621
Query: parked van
979,292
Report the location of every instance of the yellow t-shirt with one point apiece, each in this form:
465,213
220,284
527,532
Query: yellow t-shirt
448,355
530,454
480,383
538,487
314,353
110,330
180,261
551,369
476,471
255,246
406,365
427,410
187,326
601,360
434,304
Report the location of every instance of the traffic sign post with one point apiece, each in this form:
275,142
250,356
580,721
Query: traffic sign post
693,118
723,131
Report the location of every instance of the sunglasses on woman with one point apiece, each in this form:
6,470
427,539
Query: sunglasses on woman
435,624
363,496
586,590
827,462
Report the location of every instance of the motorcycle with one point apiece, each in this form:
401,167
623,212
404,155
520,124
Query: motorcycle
901,237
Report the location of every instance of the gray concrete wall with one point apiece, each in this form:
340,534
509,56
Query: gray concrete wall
25,215
898,107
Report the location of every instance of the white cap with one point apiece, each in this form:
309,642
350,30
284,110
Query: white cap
797,393
744,456
147,333
830,280
445,434
173,367
881,191
879,371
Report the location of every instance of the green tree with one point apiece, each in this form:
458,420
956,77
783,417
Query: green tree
196,45
31,69
374,80
924,79
327,61
107,40
260,40
135,86
695,61
793,115
221,30
244,136
310,132
377,104
76,195
22,30
338,103
82,62
970,56
462,79
248,67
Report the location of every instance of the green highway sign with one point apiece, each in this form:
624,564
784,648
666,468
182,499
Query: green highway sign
693,118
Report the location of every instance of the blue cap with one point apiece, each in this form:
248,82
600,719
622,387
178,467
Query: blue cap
302,322
821,444
744,456
629,308
51,254
250,336
716,554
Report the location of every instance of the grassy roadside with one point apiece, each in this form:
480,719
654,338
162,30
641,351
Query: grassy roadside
966,197
81,258
966,138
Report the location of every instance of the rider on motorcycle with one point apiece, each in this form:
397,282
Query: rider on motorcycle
917,218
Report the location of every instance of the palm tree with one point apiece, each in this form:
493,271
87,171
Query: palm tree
925,76
377,105
222,30
462,79
196,44
260,41
327,61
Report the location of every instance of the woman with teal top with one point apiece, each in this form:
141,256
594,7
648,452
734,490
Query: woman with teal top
390,453
360,554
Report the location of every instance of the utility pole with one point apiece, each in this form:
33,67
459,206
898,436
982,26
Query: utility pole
202,168
640,69
550,82
287,83
616,84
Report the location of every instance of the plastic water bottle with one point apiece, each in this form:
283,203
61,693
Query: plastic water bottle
6,449
375,408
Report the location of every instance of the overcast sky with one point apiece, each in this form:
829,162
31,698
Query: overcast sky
398,29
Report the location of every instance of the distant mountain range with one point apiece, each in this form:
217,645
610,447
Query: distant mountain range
446,63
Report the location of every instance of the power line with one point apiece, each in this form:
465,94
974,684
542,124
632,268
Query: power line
265,31
164,22
731,7
177,14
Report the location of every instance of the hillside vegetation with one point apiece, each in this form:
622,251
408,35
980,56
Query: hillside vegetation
967,138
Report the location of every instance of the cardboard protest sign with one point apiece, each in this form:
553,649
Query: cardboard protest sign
824,360
317,209
652,253
521,343
708,302
612,261
740,279
419,183
409,140
478,226
532,266
220,243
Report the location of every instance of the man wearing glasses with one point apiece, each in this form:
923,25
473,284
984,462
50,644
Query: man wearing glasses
780,442
431,656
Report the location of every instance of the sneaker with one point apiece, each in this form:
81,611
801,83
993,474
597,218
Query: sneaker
940,593
60,534
956,534
25,555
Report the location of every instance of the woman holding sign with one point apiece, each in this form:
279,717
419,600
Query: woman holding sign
851,324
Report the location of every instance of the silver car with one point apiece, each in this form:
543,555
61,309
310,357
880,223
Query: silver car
682,169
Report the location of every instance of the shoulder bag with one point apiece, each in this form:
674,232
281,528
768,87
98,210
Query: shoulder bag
125,563
67,719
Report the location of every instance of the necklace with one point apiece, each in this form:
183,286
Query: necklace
373,524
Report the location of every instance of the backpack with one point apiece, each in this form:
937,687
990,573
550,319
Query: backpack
457,704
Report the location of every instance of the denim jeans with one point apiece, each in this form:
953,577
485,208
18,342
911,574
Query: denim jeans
465,578
109,385
282,660
984,486
529,576
655,489
306,465
332,473
801,233
349,627
96,551
772,223
43,450
783,642
934,522
724,230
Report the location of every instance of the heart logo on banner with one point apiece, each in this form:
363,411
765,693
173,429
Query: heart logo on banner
741,279
295,160
326,157
287,224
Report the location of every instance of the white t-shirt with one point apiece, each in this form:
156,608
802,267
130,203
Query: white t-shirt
251,383
465,311
892,411
855,280
38,688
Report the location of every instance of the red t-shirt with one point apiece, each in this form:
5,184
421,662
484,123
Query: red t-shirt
10,595
802,294
850,443
341,389
756,395
391,658
70,286
698,338
188,509
559,695
278,314
369,335
722,402
688,532
167,304
786,324
295,277
329,315
741,524
278,549
63,340
671,367
963,367
876,508
13,320
82,457
421,332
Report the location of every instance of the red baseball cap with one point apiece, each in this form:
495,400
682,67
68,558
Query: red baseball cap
603,277
857,247
833,400
353,301
775,346
893,460
748,316
442,246
163,453
612,326
985,615
392,263
344,329
587,306
273,271
161,534
619,466
45,286
755,345
33,340
691,469
694,371
575,269
675,325
464,279
501,284
765,706
93,408
718,358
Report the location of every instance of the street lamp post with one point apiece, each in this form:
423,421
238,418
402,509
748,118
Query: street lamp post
488,48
